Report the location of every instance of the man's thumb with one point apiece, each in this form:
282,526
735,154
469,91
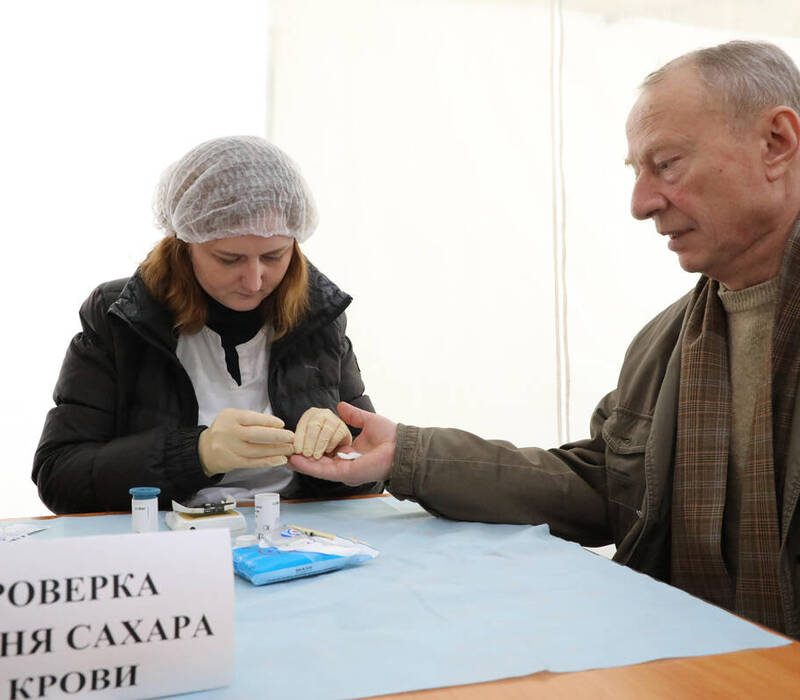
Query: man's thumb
351,415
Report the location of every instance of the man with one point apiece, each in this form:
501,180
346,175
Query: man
693,465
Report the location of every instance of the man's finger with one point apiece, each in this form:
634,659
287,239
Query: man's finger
323,468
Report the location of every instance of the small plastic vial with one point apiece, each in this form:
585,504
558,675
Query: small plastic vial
144,508
268,515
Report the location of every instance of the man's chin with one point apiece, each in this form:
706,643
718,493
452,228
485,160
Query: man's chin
690,264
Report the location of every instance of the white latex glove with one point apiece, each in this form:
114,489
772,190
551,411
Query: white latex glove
376,443
243,439
320,431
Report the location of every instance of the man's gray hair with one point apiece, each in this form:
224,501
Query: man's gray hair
746,76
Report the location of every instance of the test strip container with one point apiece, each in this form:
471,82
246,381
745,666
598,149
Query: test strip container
268,516
144,508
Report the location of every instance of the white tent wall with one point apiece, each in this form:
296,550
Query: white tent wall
432,133
98,97
428,196
456,149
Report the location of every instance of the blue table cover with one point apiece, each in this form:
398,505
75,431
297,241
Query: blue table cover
447,603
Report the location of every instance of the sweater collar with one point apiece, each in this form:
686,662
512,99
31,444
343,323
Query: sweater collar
234,327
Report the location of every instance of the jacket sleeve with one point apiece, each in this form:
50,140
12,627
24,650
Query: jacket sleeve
351,386
351,390
458,475
82,464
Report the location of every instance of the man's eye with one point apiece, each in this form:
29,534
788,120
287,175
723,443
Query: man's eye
665,164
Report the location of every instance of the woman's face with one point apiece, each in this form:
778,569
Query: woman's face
242,271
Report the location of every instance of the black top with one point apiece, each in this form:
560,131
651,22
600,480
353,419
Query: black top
233,328
126,411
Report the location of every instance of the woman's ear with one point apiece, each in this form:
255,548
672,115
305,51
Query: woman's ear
781,138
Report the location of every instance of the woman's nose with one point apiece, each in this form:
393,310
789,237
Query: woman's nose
252,276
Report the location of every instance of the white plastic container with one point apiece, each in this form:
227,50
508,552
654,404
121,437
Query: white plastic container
144,508
268,516
245,541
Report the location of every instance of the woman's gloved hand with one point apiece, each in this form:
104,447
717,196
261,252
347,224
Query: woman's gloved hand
243,439
320,431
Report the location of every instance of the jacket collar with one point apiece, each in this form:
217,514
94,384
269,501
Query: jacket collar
326,302
144,315
153,321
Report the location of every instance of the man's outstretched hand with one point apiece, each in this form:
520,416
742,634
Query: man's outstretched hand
375,443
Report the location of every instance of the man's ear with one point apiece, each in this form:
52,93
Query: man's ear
781,140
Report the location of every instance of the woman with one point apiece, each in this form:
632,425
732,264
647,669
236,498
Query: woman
192,374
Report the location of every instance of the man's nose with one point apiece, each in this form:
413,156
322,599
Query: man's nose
647,199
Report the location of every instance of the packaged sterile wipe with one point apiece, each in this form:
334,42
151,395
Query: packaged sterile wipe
299,552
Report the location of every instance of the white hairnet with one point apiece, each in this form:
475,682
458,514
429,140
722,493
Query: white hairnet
234,186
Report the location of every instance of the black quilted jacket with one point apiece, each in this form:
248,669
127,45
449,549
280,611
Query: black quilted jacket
126,411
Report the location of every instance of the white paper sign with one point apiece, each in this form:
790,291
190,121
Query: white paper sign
122,616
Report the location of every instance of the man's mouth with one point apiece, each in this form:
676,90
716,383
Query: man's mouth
675,234
674,243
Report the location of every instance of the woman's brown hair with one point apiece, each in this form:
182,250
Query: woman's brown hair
169,277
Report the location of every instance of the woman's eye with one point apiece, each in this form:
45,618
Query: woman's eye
228,261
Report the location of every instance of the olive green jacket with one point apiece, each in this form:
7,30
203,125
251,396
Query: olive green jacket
615,486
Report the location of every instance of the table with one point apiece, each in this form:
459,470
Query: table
762,672
755,673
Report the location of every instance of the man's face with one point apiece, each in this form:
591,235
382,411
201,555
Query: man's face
702,183
242,271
